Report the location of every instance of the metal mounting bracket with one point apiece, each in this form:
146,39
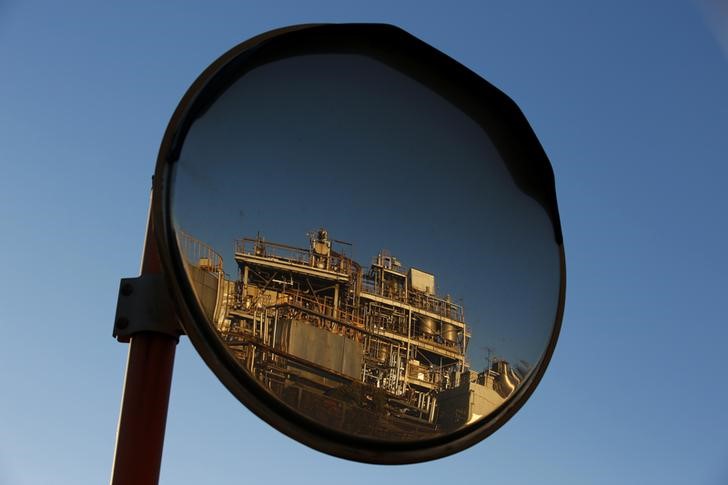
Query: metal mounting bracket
144,305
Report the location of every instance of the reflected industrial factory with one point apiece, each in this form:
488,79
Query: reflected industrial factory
369,351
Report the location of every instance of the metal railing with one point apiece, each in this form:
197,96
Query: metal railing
417,299
198,253
294,255
283,252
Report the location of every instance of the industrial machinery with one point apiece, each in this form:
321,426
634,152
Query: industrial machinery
374,351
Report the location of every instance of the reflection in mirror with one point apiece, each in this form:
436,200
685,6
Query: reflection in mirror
287,190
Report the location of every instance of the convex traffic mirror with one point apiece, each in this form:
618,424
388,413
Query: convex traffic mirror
362,240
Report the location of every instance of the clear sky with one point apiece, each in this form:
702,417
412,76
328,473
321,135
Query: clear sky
630,101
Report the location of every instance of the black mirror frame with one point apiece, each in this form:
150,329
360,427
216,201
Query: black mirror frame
495,111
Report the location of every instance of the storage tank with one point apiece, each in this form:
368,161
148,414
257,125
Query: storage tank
427,326
382,354
449,332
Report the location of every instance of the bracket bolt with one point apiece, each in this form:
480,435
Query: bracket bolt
122,323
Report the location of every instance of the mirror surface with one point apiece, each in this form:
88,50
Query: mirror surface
361,249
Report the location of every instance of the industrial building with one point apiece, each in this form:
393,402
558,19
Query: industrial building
367,350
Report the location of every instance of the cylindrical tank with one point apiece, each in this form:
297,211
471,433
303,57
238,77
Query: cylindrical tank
382,354
449,332
427,326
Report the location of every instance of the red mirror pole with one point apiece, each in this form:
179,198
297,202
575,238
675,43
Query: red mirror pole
143,415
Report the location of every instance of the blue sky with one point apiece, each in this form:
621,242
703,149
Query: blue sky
630,103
